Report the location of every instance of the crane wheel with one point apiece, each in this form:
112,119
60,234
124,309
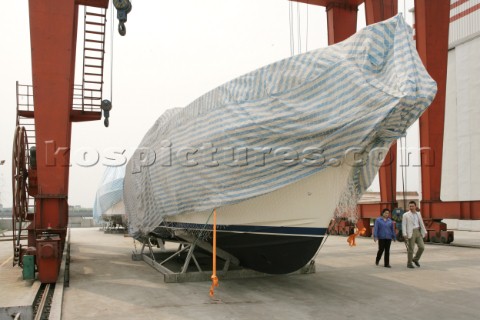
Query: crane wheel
19,189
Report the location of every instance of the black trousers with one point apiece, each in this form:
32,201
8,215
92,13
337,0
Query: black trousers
384,245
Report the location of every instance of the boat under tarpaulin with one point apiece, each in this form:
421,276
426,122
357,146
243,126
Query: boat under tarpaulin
276,150
109,206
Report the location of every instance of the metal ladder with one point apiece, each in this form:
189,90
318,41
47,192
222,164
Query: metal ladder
93,59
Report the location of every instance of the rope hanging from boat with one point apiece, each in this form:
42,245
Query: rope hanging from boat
214,255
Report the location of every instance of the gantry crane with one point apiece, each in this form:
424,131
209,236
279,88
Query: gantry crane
45,113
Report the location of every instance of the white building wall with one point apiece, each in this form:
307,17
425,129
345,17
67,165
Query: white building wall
464,21
461,154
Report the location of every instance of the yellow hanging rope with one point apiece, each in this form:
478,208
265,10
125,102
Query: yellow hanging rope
214,263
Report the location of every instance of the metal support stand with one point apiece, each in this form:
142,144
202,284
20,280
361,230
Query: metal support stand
175,265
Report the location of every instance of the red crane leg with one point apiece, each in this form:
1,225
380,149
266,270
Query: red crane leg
53,36
379,10
341,21
431,24
388,179
53,29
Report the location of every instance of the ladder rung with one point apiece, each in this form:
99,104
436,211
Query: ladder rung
91,40
94,49
94,23
95,32
93,98
87,57
92,66
96,90
95,14
92,74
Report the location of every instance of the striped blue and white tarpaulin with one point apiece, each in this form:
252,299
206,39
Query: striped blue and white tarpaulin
282,123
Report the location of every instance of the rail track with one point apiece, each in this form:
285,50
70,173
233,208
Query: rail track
9,238
43,302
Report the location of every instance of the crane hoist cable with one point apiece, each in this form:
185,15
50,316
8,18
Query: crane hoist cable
111,56
106,105
306,33
290,20
298,29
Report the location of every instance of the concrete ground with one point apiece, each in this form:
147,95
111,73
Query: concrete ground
16,295
105,282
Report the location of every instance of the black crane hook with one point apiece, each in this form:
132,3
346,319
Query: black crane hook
123,8
106,107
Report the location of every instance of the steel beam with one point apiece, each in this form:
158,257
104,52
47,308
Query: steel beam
379,10
341,21
341,17
326,3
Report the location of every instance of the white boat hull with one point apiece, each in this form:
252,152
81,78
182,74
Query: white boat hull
276,233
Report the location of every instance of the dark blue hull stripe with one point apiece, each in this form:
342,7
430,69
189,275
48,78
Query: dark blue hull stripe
301,231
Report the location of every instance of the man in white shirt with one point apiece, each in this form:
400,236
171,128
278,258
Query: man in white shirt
414,231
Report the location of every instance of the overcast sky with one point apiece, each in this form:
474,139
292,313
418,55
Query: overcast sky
174,51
